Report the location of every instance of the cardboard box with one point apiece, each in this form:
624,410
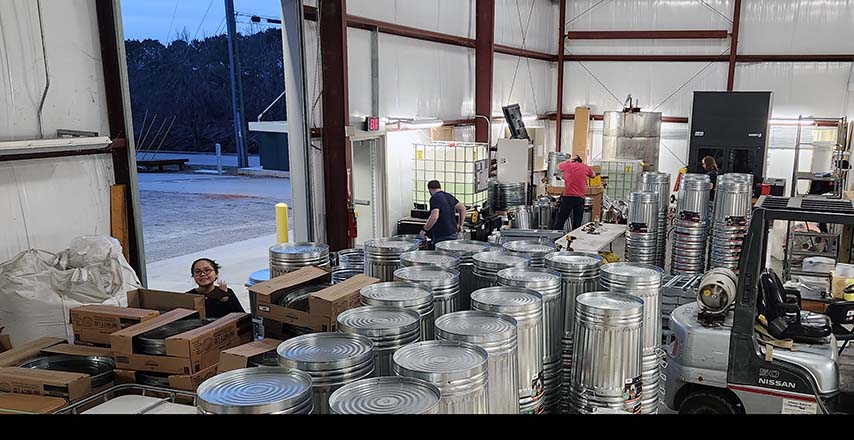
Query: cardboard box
95,324
26,404
71,386
186,354
5,341
23,353
76,350
597,194
323,306
166,301
238,357
124,377
177,382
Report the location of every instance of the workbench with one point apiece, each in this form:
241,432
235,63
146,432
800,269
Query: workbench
608,235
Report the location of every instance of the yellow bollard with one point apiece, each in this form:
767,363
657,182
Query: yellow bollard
282,231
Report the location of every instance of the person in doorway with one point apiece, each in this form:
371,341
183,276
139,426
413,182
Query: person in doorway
710,166
447,215
219,299
575,175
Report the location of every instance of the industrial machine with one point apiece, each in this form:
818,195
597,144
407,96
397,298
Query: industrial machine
746,346
632,135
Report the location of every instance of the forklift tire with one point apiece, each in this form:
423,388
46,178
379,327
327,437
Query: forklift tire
707,402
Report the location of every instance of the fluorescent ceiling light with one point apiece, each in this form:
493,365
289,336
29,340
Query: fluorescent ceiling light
421,124
792,122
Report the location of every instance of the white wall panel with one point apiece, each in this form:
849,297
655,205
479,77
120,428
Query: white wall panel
455,17
538,18
76,99
359,73
817,89
797,27
532,85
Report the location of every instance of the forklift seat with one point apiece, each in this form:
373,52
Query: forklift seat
785,320
841,314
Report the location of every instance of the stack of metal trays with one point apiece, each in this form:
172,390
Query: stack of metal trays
331,359
733,209
387,396
512,194
466,250
257,391
678,290
154,342
691,226
430,259
99,368
642,233
403,295
547,283
526,307
290,257
643,281
534,249
298,300
608,326
389,328
458,369
445,284
488,264
493,194
659,183
383,257
579,275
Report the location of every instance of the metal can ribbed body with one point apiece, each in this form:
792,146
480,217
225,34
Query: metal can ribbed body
341,274
331,359
256,391
511,195
495,333
526,307
644,282
606,367
733,209
659,183
459,369
403,295
352,258
386,396
388,328
382,257
290,257
445,284
532,249
488,264
465,249
547,283
691,226
642,234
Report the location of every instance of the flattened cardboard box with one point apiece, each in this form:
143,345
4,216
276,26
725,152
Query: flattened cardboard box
95,324
21,403
238,357
23,353
324,306
166,301
72,386
186,354
5,341
178,382
76,350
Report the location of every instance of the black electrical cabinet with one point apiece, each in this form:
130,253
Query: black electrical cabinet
732,127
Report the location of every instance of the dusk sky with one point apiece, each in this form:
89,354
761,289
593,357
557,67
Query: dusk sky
153,18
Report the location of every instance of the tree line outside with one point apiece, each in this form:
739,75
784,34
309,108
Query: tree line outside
186,85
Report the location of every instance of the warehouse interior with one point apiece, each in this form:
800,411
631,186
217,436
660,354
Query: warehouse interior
540,207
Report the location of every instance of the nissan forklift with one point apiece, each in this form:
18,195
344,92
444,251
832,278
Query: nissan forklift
746,347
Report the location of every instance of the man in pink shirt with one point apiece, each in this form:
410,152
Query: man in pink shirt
575,175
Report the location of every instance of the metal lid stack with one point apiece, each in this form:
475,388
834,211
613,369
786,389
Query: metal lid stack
659,183
642,234
691,225
733,210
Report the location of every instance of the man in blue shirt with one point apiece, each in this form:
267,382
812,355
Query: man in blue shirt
443,224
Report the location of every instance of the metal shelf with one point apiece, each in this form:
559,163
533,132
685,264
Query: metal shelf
829,254
812,177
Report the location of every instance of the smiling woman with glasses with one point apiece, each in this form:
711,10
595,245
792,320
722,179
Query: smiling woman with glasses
219,299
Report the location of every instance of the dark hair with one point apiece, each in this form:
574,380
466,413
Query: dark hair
434,185
577,159
710,163
213,263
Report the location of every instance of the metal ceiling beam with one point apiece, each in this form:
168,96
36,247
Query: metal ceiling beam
648,35
484,66
561,54
733,51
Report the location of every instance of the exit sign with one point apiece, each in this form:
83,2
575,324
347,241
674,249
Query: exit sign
372,124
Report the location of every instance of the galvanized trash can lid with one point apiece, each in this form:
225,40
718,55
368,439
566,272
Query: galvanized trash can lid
99,368
531,276
463,247
507,299
528,246
428,274
260,390
429,258
283,250
476,326
502,259
386,395
398,294
610,304
325,351
379,321
441,361
391,245
574,260
632,272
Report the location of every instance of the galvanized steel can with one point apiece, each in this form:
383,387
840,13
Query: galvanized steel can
466,250
386,396
388,328
256,391
445,284
403,295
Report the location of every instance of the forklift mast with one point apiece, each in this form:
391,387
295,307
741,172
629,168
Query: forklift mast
747,366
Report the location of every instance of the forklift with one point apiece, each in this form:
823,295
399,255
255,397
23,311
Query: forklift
746,347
